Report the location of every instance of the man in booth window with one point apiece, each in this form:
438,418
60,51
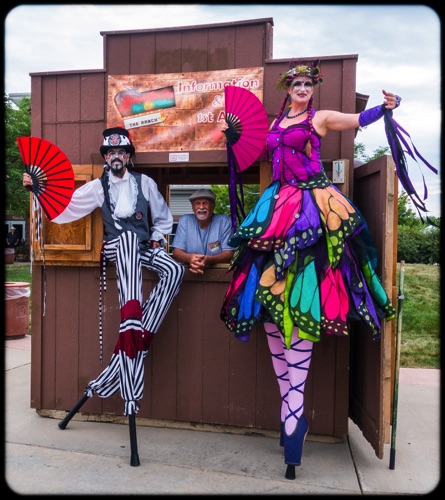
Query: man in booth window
201,239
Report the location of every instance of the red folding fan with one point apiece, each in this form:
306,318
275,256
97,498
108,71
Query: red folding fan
51,172
248,125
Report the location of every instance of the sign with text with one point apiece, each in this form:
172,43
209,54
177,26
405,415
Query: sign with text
176,111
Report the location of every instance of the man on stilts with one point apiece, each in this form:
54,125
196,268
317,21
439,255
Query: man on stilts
129,201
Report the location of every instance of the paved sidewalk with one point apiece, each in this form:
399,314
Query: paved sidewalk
93,457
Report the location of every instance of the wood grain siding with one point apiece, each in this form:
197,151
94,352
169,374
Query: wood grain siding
196,372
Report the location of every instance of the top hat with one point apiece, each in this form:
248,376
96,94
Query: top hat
116,137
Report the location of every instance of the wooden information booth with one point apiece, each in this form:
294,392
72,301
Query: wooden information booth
197,374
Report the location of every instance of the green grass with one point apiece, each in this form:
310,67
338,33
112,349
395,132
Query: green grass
420,318
18,272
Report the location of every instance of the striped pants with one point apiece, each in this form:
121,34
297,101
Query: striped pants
139,320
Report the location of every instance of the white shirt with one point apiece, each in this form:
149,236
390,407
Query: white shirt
90,196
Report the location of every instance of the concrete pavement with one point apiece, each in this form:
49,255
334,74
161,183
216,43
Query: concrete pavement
94,457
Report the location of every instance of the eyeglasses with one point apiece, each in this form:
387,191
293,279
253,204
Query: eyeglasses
116,152
298,83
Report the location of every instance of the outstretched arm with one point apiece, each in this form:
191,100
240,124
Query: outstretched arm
83,201
327,120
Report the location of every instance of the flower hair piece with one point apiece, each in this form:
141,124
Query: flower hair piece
311,71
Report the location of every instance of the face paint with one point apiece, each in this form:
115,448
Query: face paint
117,160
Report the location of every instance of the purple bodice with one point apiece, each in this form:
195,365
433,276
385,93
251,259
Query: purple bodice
286,146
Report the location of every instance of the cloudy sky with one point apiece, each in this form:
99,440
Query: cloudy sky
398,48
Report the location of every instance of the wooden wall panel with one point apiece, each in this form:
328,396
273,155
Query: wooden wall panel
168,52
341,373
242,382
323,382
37,353
91,140
165,352
68,98
221,49
48,101
68,139
36,105
216,359
249,46
191,341
117,54
194,51
370,388
48,341
267,392
67,336
142,54
92,100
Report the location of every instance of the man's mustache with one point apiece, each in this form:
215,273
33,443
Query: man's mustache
113,163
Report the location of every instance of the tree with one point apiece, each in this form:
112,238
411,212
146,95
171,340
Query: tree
251,196
418,244
361,154
17,123
407,216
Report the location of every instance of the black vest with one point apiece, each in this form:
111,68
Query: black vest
137,223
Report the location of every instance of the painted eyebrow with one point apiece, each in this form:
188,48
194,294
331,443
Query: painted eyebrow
306,84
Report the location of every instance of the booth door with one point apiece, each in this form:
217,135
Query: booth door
372,362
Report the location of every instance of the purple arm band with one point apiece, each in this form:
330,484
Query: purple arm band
371,115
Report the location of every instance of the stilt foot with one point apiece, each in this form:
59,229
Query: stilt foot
63,423
290,472
134,461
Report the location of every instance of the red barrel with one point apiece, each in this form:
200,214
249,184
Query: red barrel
17,309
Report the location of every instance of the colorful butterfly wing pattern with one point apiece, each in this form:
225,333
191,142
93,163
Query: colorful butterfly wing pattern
258,218
308,262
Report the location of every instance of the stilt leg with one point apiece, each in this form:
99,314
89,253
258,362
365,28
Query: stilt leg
63,423
290,472
133,440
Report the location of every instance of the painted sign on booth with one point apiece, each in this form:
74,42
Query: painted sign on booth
176,111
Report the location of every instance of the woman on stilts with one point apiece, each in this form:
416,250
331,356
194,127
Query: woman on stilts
305,261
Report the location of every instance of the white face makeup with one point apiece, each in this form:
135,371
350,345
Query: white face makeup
117,159
300,90
307,84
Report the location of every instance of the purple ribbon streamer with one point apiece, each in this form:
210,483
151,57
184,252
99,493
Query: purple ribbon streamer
394,133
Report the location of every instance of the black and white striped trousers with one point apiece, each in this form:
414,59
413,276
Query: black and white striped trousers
139,320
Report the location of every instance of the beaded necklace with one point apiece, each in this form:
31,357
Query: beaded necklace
294,116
